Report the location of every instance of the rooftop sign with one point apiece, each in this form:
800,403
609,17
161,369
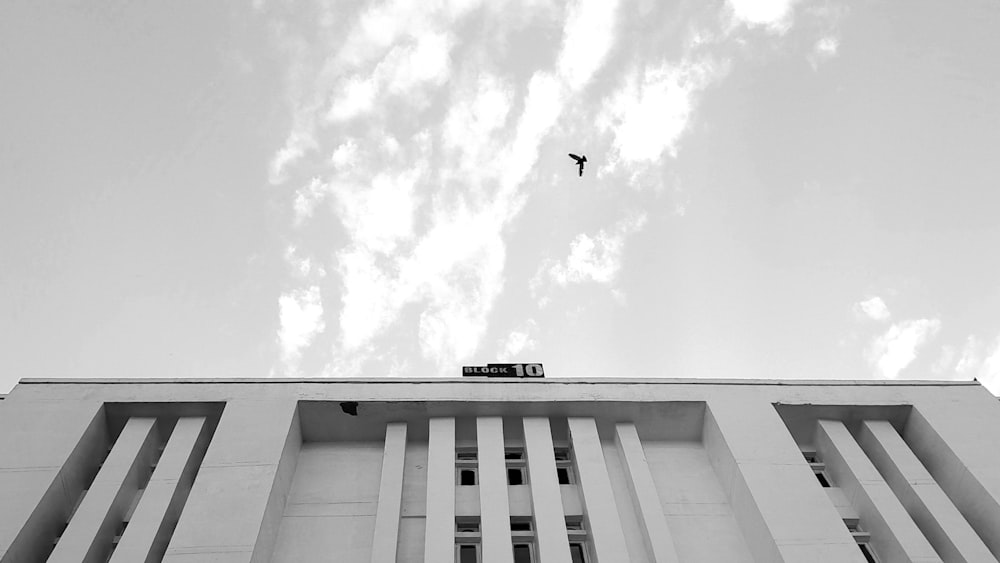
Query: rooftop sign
504,370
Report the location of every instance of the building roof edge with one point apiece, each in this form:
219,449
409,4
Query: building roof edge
547,381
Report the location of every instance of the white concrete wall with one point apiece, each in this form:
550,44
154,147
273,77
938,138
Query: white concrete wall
234,508
332,503
47,449
701,520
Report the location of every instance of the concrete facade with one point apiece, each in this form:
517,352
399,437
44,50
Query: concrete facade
505,471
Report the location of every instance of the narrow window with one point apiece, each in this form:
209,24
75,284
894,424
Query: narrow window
515,476
468,477
563,474
822,480
576,552
520,525
867,552
468,554
522,553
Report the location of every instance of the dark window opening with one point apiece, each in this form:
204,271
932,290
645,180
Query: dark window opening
822,480
515,476
520,525
867,551
513,455
467,554
574,523
563,474
468,477
522,553
576,552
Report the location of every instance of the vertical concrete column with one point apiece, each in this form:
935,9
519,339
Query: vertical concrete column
390,494
659,542
495,514
894,535
237,500
155,516
599,504
930,508
88,536
785,515
439,534
945,436
546,498
46,448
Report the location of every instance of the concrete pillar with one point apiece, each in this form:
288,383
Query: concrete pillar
934,513
390,494
439,532
155,516
235,507
784,513
46,451
495,518
599,504
659,543
546,498
945,436
894,535
88,537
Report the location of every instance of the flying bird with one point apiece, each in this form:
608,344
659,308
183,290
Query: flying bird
579,161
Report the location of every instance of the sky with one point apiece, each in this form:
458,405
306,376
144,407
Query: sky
794,189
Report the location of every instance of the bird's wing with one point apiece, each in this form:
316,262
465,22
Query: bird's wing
574,157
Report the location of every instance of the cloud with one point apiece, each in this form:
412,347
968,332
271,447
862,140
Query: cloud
423,143
873,308
587,38
648,115
896,349
300,313
824,50
380,215
774,15
306,199
596,258
354,98
518,341
295,147
989,373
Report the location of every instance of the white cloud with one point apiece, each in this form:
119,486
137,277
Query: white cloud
306,199
345,155
972,357
893,351
370,300
381,214
301,318
354,98
648,115
518,341
587,38
295,147
989,374
824,50
595,258
873,308
775,15
406,67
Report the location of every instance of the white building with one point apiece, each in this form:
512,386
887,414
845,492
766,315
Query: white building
498,471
